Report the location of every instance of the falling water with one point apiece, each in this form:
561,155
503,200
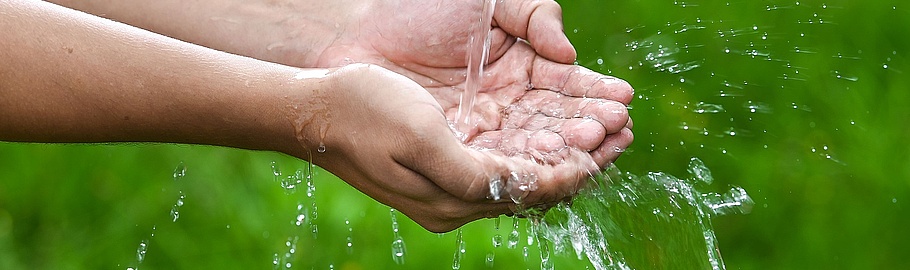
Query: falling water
305,214
478,52
398,248
459,249
142,249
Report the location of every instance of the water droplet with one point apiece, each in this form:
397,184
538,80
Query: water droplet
300,219
180,199
398,248
514,236
180,171
497,240
321,148
175,213
703,107
496,188
141,250
735,201
350,239
701,172
459,250
398,251
600,61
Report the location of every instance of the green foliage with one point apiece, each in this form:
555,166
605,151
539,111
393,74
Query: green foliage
824,156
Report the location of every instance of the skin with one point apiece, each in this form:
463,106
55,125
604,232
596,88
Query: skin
425,41
384,133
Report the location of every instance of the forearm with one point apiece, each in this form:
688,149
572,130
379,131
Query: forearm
72,77
289,32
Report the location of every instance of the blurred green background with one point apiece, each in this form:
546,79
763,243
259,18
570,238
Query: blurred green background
802,103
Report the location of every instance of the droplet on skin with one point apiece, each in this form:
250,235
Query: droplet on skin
311,74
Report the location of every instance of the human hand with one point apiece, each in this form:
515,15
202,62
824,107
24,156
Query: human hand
389,138
529,105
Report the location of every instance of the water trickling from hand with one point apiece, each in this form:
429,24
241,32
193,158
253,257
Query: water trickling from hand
306,212
398,248
459,249
142,249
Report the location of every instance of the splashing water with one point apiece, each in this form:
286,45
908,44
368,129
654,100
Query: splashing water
656,221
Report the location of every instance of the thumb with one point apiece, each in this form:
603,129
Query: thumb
539,22
440,157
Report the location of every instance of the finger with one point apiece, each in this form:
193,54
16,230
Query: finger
558,182
433,152
582,133
577,81
611,114
427,204
448,213
539,22
541,146
613,146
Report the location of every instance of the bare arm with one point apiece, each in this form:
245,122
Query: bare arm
72,77
288,32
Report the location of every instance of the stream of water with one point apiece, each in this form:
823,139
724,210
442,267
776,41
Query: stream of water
478,53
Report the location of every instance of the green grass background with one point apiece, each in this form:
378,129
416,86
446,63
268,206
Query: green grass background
825,156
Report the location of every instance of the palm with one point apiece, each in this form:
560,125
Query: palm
527,105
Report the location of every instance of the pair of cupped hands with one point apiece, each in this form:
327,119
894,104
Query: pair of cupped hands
542,124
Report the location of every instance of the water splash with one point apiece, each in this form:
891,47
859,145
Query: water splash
627,221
